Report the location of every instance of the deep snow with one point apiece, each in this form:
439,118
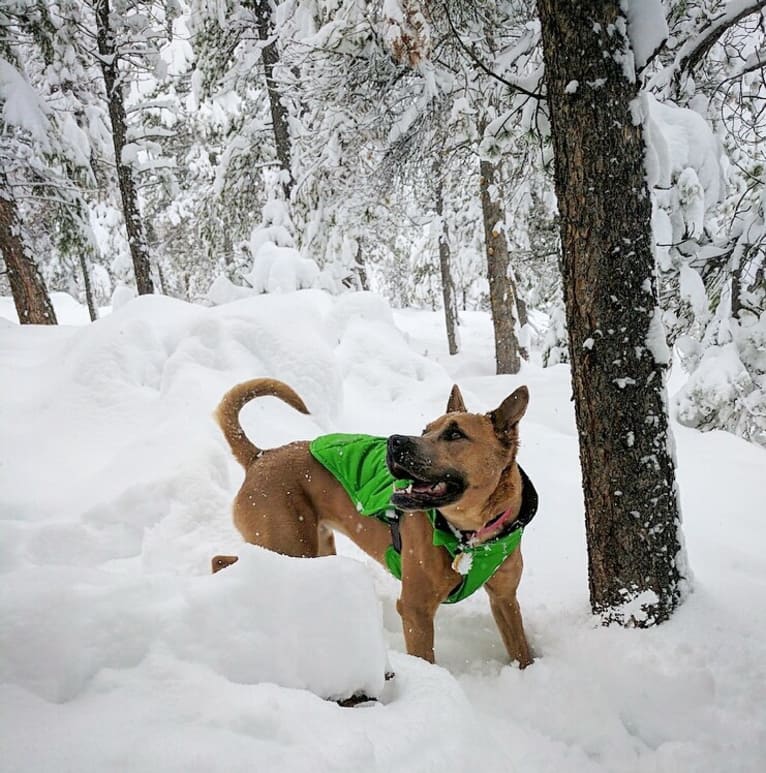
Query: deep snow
118,650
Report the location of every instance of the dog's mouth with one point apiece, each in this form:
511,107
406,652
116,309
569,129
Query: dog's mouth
422,494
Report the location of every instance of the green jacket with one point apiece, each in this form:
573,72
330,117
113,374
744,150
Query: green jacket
358,462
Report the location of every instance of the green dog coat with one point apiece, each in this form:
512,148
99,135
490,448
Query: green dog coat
358,462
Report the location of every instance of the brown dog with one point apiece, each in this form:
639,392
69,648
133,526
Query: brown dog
464,464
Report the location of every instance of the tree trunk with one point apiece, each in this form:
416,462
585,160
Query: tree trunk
502,293
108,60
448,286
33,305
89,299
360,268
270,56
616,341
357,278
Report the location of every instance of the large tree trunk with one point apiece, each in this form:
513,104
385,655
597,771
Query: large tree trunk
636,559
448,286
33,305
502,292
134,225
270,57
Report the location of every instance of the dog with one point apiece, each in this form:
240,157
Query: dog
458,485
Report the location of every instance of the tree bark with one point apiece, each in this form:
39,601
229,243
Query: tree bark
108,60
448,286
616,341
33,305
360,268
502,292
86,280
270,57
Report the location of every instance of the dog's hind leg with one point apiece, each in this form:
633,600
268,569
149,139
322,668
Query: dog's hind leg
326,541
287,532
221,562
501,589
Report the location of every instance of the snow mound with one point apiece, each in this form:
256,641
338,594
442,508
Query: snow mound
279,269
314,625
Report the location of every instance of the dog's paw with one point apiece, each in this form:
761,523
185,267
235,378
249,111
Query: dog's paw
356,700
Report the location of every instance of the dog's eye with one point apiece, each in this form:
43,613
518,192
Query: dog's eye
453,433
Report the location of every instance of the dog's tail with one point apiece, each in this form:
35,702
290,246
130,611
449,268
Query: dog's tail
227,413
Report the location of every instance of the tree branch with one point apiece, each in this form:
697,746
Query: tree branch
475,59
708,37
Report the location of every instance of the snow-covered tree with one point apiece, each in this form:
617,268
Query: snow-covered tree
619,356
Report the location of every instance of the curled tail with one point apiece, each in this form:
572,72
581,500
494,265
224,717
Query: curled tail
227,413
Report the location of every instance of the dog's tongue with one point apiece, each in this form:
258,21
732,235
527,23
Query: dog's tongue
430,488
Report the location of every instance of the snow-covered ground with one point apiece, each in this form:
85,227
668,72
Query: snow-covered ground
120,652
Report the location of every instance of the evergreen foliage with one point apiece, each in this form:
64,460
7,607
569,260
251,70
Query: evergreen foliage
310,130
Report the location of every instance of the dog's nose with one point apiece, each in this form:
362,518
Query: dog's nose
395,442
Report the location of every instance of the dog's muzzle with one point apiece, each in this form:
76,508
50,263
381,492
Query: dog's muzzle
428,488
401,454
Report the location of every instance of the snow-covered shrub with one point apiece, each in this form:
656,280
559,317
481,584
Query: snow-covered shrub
276,266
555,342
727,386
281,269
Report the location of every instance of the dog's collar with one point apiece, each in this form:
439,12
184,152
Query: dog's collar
529,502
496,525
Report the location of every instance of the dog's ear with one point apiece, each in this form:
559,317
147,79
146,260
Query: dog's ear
510,411
455,403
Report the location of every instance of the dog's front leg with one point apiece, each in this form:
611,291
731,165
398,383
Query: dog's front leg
418,626
427,579
501,589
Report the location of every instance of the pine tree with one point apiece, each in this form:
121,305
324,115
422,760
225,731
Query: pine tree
109,59
33,305
616,341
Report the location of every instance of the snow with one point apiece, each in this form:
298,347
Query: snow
723,16
281,269
120,651
692,289
130,153
662,230
678,139
21,104
230,623
691,200
713,387
329,604
647,28
656,340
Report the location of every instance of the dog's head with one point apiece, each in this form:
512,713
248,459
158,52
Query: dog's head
459,462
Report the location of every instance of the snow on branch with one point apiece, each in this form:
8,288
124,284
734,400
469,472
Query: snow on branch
514,86
697,47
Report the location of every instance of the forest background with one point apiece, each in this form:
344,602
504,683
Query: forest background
213,149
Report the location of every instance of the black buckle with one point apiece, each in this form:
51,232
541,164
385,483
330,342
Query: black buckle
396,534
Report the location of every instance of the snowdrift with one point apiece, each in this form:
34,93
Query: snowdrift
119,650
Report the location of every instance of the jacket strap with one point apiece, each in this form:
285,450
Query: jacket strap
396,531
